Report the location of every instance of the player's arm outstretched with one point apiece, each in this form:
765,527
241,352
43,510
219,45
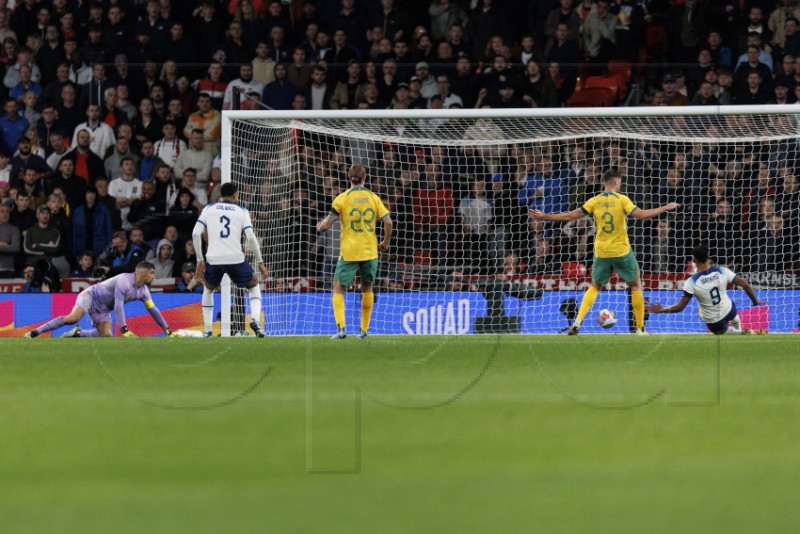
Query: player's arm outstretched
748,289
654,212
564,216
675,308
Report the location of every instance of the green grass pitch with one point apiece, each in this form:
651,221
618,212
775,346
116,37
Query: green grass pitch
430,434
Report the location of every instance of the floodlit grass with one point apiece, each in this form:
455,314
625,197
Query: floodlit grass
463,434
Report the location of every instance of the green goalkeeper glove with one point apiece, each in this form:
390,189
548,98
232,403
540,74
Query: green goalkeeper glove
170,333
126,332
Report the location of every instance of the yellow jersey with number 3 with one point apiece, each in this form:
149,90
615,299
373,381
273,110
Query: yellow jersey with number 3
609,211
359,210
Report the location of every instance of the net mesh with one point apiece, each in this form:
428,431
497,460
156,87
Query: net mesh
465,257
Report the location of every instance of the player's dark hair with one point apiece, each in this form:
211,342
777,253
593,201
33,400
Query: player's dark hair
700,254
611,174
228,189
142,265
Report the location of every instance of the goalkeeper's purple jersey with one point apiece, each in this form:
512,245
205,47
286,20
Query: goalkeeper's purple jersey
121,287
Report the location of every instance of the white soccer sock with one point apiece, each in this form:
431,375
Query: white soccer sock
255,303
736,323
208,309
731,331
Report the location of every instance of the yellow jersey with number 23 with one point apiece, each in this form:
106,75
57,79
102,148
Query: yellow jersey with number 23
609,211
359,210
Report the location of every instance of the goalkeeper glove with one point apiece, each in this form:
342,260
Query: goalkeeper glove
126,332
170,333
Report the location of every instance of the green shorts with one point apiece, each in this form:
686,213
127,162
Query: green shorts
346,271
625,266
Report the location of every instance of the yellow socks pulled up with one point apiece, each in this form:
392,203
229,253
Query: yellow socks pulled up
367,301
586,304
637,299
338,310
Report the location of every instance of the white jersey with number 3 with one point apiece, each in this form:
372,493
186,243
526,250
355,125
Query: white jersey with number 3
709,288
225,223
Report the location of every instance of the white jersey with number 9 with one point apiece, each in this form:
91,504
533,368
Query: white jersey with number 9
709,288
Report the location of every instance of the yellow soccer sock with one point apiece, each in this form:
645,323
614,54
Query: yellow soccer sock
638,308
338,310
586,304
367,300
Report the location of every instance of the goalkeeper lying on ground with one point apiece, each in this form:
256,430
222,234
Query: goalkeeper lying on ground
100,299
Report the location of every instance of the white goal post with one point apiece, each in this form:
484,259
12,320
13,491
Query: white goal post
466,259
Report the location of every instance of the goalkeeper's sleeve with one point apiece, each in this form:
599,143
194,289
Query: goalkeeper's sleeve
156,314
255,246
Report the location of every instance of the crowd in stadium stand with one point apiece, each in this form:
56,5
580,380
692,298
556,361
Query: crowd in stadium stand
111,123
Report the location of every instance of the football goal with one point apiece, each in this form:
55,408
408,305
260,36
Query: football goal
465,257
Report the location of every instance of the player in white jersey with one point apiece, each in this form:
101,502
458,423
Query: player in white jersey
708,285
224,222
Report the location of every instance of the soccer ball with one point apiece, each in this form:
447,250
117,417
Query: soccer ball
606,318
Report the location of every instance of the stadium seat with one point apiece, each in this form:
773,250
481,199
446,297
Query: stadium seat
622,67
592,97
615,82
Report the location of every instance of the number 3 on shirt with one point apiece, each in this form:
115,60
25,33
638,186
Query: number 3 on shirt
226,227
608,221
362,220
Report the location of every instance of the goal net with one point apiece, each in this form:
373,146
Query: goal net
465,258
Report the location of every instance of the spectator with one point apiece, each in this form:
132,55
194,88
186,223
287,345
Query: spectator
183,213
31,285
299,72
671,95
444,14
25,85
391,19
12,125
781,94
101,134
9,243
23,216
209,122
538,89
214,84
175,114
137,238
124,256
754,26
318,94
73,186
721,55
196,158
111,113
244,83
753,92
12,76
599,34
148,212
486,19
263,64
188,283
113,162
665,254
148,162
24,158
147,125
476,215
88,165
705,96
44,242
279,93
85,268
179,49
183,255
199,195
125,189
279,51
